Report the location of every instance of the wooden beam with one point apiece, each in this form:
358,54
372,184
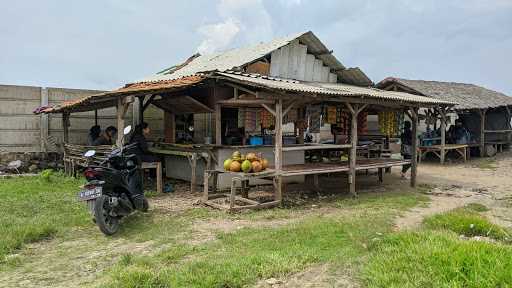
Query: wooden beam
96,117
245,102
169,127
65,126
278,151
148,102
288,109
242,88
195,102
272,111
482,132
122,107
354,110
218,124
414,158
442,112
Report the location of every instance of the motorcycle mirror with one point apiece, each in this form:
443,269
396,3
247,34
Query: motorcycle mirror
90,153
127,130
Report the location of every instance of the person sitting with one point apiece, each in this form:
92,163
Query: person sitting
107,137
141,148
94,133
458,133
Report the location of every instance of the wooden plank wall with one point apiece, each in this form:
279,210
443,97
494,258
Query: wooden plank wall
292,61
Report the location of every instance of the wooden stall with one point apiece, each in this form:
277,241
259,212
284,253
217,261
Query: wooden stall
484,112
287,80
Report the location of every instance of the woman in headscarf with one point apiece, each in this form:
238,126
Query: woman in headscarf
94,133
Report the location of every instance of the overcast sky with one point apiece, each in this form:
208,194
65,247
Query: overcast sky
103,44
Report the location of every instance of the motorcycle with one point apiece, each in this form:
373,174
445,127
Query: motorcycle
114,187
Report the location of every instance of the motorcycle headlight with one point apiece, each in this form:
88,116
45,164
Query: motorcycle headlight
130,163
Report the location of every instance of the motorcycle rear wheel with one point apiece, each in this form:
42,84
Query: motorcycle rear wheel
108,224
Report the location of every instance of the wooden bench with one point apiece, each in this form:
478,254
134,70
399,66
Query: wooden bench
74,157
158,167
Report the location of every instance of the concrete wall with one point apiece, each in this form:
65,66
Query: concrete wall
23,131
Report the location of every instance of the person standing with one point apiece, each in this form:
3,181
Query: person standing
406,139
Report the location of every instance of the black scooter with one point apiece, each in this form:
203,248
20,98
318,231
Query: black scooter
114,187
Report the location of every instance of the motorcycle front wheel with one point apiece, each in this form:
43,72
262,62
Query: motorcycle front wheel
108,224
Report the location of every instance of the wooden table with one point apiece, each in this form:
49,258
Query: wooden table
461,149
210,194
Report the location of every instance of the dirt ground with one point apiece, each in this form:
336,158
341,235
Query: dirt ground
79,259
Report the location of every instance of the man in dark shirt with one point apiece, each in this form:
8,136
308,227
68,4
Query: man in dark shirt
107,137
139,138
406,148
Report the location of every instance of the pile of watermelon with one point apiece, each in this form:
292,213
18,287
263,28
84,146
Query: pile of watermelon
249,163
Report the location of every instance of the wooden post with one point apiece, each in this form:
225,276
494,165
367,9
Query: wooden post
354,110
44,121
218,124
96,117
141,109
278,151
482,132
206,186
121,112
442,113
65,126
169,127
414,158
193,166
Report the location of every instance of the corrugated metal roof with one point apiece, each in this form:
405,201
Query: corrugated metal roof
335,89
108,99
236,58
469,96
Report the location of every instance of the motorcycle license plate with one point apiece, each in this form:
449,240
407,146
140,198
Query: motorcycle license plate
89,194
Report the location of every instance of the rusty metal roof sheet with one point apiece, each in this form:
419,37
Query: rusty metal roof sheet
108,99
236,58
469,96
335,89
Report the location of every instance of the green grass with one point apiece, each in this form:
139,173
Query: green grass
437,259
468,222
487,164
240,258
35,208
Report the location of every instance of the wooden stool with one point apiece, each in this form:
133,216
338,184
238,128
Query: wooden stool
158,167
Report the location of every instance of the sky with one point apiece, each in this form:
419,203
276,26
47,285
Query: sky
104,44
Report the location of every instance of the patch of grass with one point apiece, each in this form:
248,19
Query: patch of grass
487,164
35,208
437,259
240,258
477,207
467,222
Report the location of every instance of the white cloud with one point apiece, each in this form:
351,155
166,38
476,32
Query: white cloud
242,22
218,36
